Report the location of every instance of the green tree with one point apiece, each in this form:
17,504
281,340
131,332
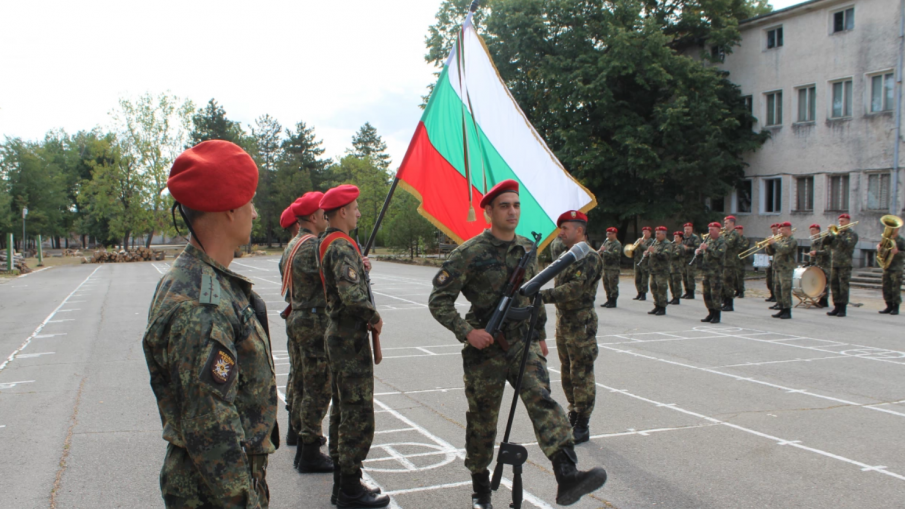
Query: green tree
372,181
267,134
367,143
406,230
211,123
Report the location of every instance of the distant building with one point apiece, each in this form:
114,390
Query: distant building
821,76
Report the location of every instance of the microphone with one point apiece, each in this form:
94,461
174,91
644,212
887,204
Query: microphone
571,256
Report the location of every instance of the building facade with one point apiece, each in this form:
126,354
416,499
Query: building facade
822,78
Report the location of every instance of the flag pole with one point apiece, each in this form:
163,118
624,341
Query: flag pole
386,202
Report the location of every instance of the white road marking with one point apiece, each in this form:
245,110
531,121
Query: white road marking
253,267
10,385
34,272
58,321
32,355
69,310
45,322
50,335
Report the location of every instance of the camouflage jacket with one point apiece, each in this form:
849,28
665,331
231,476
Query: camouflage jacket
783,252
611,254
824,253
639,253
676,258
712,258
307,289
557,248
898,261
692,243
576,287
479,269
735,244
345,287
211,367
843,247
658,261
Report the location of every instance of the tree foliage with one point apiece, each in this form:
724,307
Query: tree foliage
366,143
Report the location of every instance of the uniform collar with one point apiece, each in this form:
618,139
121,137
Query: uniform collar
305,231
201,256
497,242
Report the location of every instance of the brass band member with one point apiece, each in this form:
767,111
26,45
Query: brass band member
843,246
713,252
658,263
820,256
740,282
677,266
611,253
642,271
892,275
690,243
771,282
783,251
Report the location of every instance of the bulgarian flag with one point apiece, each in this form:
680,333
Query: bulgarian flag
472,136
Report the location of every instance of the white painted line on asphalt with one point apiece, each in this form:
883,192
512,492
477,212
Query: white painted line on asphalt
425,350
63,320
45,322
32,355
458,345
400,430
421,355
779,441
10,385
450,389
429,488
77,301
34,272
783,362
69,310
253,267
50,335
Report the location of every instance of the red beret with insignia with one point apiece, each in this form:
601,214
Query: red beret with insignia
714,225
678,234
572,215
661,229
506,186
730,218
845,216
612,230
786,225
815,225
774,225
688,225
307,204
739,227
213,176
646,229
287,218
339,196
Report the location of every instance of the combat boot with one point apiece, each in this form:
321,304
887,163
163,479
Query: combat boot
841,311
779,315
606,304
716,317
352,493
581,430
660,311
573,418
770,299
674,302
895,310
637,297
887,310
786,314
573,483
613,304
337,482
312,460
709,316
480,485
686,295
835,310
292,436
728,305
740,295
643,296
824,301
690,296
654,311
776,306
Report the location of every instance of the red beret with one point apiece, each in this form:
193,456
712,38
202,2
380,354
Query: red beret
307,204
661,229
689,225
786,225
844,216
739,227
572,215
506,186
339,196
730,218
646,229
815,225
774,225
612,229
287,218
678,234
714,225
213,176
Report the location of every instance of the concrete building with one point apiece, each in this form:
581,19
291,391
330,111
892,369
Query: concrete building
822,77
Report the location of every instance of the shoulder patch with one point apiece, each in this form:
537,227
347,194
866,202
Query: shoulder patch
220,370
222,367
210,290
349,273
442,279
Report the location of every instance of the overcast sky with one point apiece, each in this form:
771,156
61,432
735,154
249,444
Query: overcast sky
333,64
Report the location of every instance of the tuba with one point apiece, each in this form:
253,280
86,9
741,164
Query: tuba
890,223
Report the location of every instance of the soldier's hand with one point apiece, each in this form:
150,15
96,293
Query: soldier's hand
378,326
894,251
543,348
703,247
812,253
479,338
771,241
367,263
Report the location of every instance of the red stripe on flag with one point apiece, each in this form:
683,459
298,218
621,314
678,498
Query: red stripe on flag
444,195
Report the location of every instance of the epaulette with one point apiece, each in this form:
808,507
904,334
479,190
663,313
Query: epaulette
210,289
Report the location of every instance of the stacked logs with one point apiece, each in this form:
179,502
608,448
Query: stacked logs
18,262
140,254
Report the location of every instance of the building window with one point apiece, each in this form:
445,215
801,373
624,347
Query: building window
774,38
743,197
772,196
807,104
881,92
842,99
804,194
717,54
878,191
774,108
844,20
838,199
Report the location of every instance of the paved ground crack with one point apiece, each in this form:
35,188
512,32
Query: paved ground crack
66,445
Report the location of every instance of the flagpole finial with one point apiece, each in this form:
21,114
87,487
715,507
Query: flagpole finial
474,6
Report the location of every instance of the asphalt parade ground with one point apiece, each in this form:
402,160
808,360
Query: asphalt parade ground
751,413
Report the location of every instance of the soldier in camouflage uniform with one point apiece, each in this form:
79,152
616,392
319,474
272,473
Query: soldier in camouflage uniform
783,251
574,292
731,264
740,282
843,247
712,252
892,275
771,281
821,256
690,243
611,254
658,255
207,346
676,268
294,387
306,326
642,271
351,316
479,269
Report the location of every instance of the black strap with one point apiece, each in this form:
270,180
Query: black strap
188,224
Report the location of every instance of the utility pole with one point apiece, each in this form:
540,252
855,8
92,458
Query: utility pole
24,213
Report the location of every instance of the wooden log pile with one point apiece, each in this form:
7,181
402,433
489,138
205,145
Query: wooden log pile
18,262
140,254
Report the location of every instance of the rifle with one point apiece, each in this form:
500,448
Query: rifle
504,310
375,336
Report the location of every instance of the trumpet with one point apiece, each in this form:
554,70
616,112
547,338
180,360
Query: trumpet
707,235
890,223
760,245
630,249
834,230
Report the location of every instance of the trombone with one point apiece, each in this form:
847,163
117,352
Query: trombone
833,230
760,245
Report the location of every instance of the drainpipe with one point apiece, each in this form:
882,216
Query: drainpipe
894,206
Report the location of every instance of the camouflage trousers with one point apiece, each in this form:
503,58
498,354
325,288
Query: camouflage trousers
642,279
486,373
659,285
783,279
611,283
839,280
730,281
770,283
740,282
295,387
576,344
352,416
313,374
713,290
688,274
183,488
892,287
675,284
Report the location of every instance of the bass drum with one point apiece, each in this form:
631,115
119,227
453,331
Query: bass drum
808,282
